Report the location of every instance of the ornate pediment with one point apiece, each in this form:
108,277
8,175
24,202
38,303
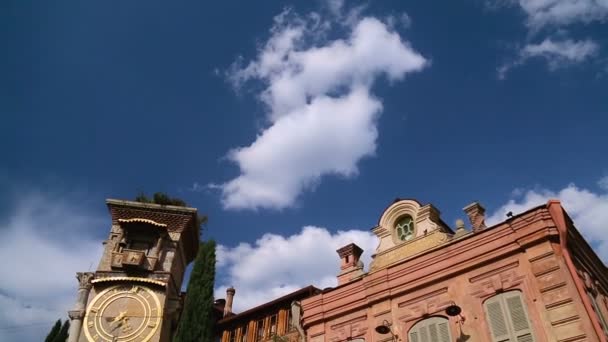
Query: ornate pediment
407,228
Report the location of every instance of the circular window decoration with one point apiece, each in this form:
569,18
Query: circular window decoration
405,228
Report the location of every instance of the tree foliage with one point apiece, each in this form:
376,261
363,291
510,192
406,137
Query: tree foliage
164,199
197,318
63,333
54,331
59,332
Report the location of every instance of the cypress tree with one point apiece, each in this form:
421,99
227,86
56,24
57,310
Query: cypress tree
54,331
62,336
197,318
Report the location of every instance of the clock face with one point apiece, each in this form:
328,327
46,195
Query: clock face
123,313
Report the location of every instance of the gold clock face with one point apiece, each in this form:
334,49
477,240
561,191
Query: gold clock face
123,313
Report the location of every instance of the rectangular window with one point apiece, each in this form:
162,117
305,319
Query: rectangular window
598,312
243,335
259,327
232,336
273,325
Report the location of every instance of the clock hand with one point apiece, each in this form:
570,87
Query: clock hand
118,318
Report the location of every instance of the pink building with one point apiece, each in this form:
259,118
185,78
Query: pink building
530,278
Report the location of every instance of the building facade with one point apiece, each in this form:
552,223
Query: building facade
135,293
530,278
277,320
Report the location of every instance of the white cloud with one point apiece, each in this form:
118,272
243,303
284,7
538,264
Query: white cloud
557,54
542,13
403,20
275,265
321,113
603,183
588,210
46,239
554,16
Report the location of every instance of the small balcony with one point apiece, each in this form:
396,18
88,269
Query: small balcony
132,258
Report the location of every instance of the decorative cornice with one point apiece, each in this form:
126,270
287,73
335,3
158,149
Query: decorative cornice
134,204
398,209
133,279
85,279
76,314
350,249
142,220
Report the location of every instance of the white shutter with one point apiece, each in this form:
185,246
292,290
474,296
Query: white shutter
414,336
519,318
433,332
444,331
424,334
496,319
434,329
508,319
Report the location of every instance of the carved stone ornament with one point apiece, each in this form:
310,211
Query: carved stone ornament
76,314
296,316
84,279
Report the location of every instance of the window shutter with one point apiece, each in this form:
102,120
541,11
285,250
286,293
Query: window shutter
444,332
598,311
433,332
413,336
434,329
508,319
424,335
497,320
519,318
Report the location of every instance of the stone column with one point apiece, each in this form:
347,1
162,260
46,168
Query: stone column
77,314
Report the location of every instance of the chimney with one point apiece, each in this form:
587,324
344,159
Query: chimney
351,267
229,297
476,214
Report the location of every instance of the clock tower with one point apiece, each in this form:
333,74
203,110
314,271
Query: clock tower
134,295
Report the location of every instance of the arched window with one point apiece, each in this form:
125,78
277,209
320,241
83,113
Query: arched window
405,228
434,329
508,318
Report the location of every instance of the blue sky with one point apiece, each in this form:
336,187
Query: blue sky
292,125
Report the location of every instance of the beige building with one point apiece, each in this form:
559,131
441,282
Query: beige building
134,295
